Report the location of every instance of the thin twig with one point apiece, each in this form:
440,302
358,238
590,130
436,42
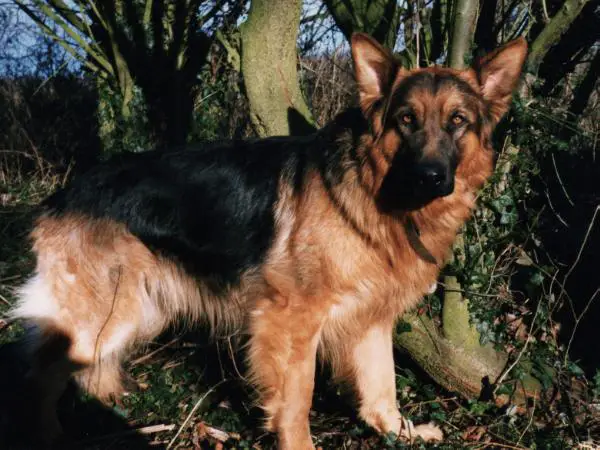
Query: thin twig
498,382
147,356
97,349
577,320
529,423
545,10
11,278
192,412
4,300
585,239
561,181
232,356
414,406
554,210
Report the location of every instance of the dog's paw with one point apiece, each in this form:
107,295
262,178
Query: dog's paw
386,418
428,432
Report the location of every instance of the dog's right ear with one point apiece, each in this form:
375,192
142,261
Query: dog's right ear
375,69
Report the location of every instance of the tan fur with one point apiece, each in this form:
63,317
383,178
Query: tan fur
110,292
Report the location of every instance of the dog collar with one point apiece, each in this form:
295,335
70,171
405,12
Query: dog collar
414,238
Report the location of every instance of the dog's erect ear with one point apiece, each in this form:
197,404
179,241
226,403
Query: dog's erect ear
499,73
375,69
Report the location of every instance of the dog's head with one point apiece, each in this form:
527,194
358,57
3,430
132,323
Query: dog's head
431,125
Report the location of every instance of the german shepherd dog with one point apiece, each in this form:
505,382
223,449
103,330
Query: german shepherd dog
311,246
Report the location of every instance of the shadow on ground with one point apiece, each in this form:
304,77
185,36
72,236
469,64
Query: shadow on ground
87,424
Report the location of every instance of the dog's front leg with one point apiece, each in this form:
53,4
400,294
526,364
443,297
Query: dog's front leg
282,356
366,360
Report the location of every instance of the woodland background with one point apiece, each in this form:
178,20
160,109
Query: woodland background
504,355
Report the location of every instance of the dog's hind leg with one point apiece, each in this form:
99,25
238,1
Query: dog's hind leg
70,341
282,358
87,304
46,380
365,359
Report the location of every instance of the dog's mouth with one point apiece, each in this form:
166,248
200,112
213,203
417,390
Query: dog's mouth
442,190
398,195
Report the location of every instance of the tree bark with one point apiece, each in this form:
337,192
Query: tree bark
269,68
463,27
552,33
452,355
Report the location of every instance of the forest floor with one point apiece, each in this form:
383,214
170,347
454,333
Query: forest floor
192,395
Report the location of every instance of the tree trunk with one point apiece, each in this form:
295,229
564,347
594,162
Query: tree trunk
169,97
463,27
453,356
269,68
159,48
552,33
575,45
584,90
439,28
485,37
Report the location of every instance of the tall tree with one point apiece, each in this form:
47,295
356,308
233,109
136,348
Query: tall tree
159,46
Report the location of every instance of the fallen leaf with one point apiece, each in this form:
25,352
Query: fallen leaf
474,433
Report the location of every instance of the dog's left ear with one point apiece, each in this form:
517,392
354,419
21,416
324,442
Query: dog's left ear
375,69
499,73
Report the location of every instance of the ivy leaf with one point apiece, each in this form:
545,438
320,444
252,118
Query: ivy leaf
576,370
537,279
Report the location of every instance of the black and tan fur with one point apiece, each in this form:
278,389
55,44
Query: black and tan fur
312,245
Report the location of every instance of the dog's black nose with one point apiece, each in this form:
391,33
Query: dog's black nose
431,176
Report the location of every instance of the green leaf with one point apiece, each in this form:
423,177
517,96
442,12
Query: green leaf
439,416
596,386
576,370
505,389
537,279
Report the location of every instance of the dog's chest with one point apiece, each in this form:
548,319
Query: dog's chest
360,278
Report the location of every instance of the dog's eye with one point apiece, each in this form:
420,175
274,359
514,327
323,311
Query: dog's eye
407,119
458,119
